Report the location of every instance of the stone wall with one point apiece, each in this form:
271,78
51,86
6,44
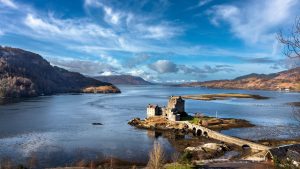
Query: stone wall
222,137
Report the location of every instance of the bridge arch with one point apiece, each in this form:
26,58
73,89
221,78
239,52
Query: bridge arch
246,147
199,132
205,134
224,138
194,131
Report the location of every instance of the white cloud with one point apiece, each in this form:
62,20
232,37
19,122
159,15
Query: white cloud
199,4
203,2
40,25
87,67
110,60
91,3
127,33
77,30
143,74
9,3
107,73
164,66
161,31
255,21
111,16
1,33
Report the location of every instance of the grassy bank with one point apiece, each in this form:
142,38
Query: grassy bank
218,123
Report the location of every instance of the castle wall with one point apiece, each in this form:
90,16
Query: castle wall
150,112
176,102
174,107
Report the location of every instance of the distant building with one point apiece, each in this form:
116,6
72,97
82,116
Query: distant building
173,111
153,110
286,152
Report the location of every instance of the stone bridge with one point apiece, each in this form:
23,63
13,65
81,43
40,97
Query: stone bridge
203,131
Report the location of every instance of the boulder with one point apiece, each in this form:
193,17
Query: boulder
208,147
135,122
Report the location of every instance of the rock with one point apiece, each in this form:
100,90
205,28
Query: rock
208,147
215,146
207,151
135,122
192,149
97,124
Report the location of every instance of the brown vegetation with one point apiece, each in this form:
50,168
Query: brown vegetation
289,79
157,123
219,123
222,96
161,123
156,157
26,74
101,89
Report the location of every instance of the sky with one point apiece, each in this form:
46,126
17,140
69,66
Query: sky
160,40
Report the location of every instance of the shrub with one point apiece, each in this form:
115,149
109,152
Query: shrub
157,158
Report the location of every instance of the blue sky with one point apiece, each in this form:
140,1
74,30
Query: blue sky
159,40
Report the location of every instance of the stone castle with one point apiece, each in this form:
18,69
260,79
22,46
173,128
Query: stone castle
173,111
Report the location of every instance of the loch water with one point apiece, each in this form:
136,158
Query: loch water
58,129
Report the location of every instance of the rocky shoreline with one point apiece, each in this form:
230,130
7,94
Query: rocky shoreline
101,89
196,150
161,123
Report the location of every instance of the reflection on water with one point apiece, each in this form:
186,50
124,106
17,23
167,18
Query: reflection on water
59,128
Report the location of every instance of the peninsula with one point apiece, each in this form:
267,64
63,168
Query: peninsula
26,74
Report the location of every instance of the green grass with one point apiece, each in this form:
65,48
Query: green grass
179,166
191,119
195,120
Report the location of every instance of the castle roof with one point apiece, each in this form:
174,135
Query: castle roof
152,106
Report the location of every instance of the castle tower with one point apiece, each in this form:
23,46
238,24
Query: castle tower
176,103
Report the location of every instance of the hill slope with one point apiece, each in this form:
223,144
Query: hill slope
123,79
289,79
26,74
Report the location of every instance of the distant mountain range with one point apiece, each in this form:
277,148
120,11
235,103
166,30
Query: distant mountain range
123,79
285,80
26,74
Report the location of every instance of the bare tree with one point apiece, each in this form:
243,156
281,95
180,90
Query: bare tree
291,41
291,44
157,159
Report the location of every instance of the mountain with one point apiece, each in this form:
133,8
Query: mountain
26,74
123,79
289,79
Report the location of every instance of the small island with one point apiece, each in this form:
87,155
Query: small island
172,116
101,89
223,96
